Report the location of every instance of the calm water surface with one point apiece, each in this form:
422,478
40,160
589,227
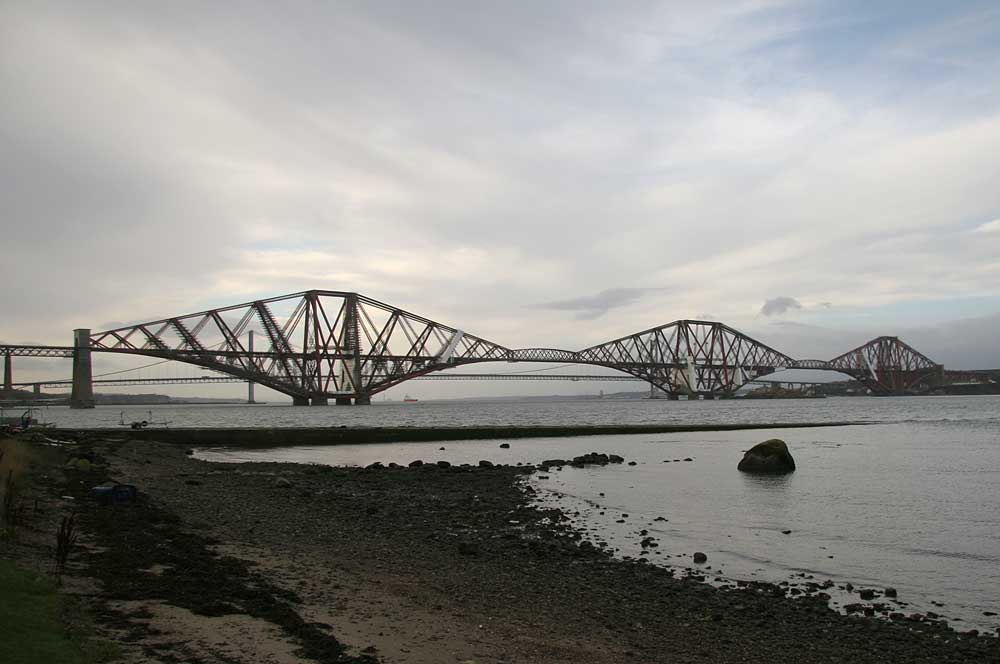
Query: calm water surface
911,502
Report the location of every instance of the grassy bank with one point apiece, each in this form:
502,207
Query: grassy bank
31,628
37,623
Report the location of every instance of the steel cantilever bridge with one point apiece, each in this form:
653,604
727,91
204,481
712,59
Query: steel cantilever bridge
319,345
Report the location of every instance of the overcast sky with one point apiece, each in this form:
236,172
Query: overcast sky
536,173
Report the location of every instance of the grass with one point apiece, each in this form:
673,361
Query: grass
14,459
30,627
37,624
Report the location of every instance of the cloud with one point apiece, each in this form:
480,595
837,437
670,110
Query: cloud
777,306
595,306
989,227
459,161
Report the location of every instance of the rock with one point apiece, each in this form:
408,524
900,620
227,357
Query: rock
631,463
485,464
283,483
443,464
592,458
890,592
188,452
786,532
771,456
505,446
614,458
699,557
866,594
374,466
416,464
440,449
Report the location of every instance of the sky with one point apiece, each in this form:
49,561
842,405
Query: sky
538,174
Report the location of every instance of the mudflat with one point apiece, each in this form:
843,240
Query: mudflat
267,437
283,563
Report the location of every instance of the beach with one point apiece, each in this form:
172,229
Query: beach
291,562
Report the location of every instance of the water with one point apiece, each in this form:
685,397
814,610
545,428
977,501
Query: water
566,411
911,502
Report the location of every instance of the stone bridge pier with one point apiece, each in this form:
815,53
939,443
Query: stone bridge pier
82,395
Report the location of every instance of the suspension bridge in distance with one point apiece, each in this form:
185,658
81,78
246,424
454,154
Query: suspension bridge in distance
318,345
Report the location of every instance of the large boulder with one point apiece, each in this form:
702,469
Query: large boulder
771,456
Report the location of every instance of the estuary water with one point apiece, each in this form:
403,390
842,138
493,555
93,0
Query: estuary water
911,500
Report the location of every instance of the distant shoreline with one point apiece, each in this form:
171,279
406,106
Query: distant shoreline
285,437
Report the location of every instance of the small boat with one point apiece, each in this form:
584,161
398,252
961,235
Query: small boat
25,421
140,424
408,399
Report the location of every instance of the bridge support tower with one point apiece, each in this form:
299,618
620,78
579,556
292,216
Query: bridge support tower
363,400
8,373
343,401
300,401
319,401
82,395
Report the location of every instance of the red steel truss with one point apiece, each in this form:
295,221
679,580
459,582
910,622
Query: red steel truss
312,345
322,344
319,344
886,365
689,356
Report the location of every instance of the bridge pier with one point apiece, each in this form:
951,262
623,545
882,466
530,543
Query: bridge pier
8,373
82,395
342,401
708,396
673,396
319,401
363,400
300,401
37,388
